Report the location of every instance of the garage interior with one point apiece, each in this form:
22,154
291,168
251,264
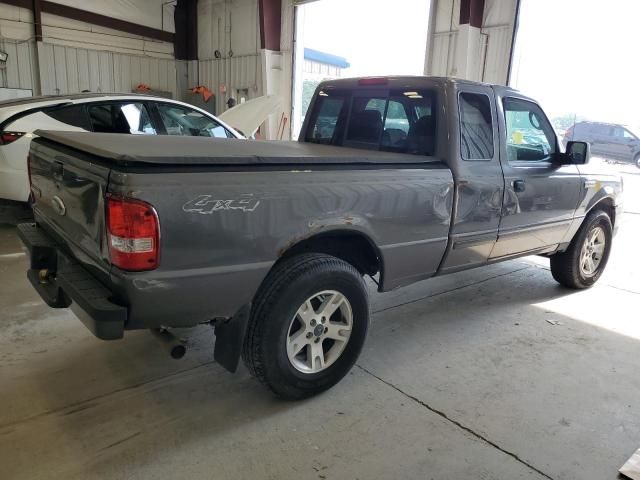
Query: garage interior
493,373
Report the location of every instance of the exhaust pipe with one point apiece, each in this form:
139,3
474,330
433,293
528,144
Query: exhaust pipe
172,344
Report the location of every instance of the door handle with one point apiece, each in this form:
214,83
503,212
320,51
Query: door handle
518,186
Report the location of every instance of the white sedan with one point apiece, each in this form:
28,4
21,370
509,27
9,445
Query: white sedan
93,112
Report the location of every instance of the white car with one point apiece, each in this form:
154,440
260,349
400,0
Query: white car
94,112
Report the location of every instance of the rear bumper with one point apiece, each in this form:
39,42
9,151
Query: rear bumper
62,282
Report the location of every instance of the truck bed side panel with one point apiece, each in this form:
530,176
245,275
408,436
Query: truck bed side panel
221,231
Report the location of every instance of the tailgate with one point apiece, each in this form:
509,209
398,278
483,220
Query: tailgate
69,188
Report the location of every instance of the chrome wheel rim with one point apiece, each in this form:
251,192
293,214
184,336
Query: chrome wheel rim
319,331
592,252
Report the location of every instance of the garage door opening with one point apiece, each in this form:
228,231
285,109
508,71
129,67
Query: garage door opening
576,58
338,39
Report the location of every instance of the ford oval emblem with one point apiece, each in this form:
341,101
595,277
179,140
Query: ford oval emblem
58,206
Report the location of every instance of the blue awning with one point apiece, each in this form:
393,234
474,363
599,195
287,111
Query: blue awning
327,58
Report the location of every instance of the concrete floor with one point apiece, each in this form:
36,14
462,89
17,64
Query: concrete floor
496,373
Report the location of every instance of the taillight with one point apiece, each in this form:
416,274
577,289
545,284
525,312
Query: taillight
133,232
9,137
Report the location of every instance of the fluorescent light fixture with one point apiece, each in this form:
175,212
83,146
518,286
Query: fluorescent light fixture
415,96
322,94
411,94
3,57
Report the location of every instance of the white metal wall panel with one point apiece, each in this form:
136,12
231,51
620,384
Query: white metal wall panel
443,53
70,70
496,56
20,69
238,72
493,51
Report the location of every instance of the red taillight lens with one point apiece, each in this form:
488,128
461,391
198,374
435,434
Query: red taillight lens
133,232
9,137
373,81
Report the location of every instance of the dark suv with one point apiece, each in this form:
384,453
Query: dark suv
608,140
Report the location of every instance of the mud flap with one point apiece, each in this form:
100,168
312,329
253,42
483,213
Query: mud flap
229,339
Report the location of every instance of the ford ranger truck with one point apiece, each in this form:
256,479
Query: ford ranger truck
396,178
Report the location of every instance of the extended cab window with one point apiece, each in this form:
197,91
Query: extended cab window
476,127
530,136
396,121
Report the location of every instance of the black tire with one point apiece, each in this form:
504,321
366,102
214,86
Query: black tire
637,160
565,266
284,290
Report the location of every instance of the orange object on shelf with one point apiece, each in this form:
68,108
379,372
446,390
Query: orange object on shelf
204,91
143,88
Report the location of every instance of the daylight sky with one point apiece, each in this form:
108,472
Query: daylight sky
574,56
581,56
377,37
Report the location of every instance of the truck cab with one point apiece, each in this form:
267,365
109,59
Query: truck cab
517,193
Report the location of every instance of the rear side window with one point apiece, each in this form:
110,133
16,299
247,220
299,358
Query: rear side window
329,111
396,121
476,127
121,118
73,115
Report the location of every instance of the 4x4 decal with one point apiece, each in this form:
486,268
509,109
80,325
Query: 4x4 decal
207,204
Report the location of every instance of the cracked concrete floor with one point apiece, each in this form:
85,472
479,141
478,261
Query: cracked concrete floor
496,373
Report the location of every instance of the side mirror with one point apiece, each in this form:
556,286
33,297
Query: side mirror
578,153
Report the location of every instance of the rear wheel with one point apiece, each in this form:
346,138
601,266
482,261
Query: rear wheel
582,264
308,324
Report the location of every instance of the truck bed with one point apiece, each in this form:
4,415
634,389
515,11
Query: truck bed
229,209
125,150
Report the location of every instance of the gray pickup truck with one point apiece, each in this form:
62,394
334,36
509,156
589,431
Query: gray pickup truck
398,178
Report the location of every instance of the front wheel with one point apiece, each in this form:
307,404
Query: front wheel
637,160
582,264
308,325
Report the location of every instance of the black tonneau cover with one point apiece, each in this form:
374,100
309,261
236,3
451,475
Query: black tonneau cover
172,150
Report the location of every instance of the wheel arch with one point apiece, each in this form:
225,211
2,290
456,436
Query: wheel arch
607,205
353,246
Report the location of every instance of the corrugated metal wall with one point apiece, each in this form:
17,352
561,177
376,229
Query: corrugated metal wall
68,70
496,53
444,51
493,51
238,72
20,70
